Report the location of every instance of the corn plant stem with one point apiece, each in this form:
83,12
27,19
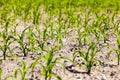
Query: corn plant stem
4,55
118,57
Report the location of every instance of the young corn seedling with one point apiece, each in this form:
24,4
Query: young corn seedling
80,36
95,29
51,30
50,62
41,37
79,31
20,40
19,73
31,38
22,71
118,43
88,56
59,36
96,32
85,31
105,27
6,38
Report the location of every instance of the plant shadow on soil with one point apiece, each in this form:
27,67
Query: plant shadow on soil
69,68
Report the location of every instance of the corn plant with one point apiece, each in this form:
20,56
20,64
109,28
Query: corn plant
41,37
6,38
20,40
96,27
82,36
96,32
31,38
51,30
23,71
88,56
50,62
105,27
118,43
79,32
59,36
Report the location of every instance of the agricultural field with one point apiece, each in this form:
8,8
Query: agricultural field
59,40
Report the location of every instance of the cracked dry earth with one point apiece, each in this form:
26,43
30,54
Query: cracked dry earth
107,70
